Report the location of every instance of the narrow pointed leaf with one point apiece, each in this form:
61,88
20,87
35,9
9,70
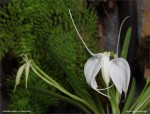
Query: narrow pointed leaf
59,96
143,99
130,97
99,104
73,81
124,51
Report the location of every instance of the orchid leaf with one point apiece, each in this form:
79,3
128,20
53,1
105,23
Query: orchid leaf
99,104
73,81
140,96
58,96
126,44
130,97
146,105
145,97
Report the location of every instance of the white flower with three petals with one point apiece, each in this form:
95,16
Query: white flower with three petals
116,69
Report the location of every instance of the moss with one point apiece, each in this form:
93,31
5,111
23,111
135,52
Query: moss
37,27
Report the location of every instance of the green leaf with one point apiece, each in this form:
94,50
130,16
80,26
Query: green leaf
145,97
126,44
58,96
99,104
142,96
130,97
74,82
145,106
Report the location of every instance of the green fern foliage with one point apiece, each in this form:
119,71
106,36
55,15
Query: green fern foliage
43,30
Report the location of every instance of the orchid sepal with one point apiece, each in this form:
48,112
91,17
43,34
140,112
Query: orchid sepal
24,68
119,72
19,74
105,67
91,69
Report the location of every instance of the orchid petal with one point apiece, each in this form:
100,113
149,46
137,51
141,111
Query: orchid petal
105,68
27,68
19,74
119,72
127,74
91,69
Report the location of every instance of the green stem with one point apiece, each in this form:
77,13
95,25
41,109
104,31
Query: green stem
60,88
44,74
114,101
117,97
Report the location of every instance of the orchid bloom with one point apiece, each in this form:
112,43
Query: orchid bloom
25,67
116,69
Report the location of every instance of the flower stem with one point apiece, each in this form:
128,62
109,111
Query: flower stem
53,83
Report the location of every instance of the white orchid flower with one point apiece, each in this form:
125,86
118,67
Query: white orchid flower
24,68
116,69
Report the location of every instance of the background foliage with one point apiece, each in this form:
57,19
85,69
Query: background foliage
43,30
